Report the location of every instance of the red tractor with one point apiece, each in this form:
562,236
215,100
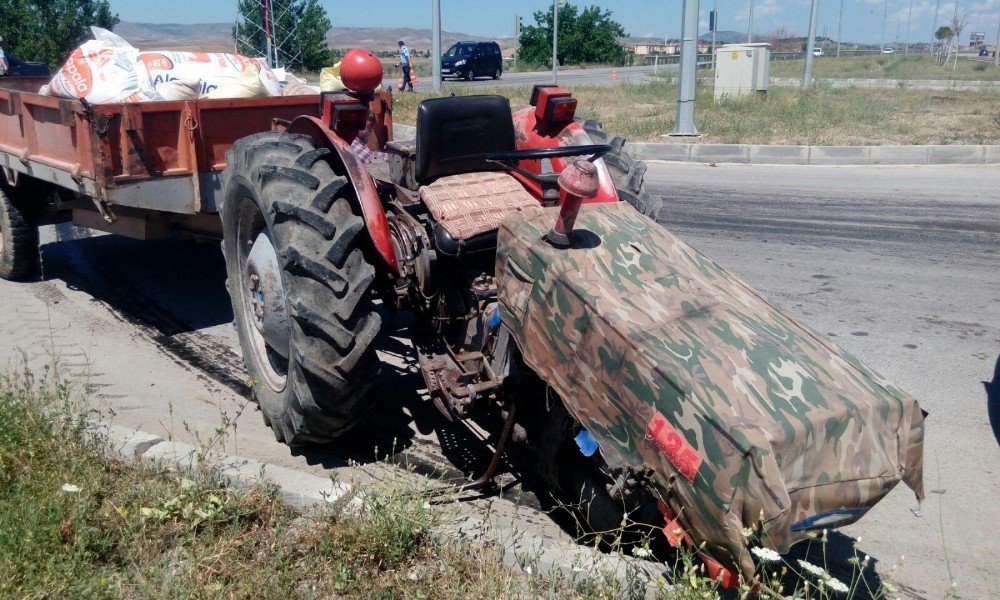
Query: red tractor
316,233
649,382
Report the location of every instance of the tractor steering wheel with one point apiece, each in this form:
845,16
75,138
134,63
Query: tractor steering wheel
548,181
595,150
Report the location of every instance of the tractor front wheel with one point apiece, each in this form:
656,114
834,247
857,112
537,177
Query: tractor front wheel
300,286
606,505
628,173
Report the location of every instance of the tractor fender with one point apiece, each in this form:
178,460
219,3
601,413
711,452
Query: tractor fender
530,134
345,163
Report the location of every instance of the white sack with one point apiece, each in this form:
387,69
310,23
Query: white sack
102,71
212,68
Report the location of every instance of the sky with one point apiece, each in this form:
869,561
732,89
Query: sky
862,19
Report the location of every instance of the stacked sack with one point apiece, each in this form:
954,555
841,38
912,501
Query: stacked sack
108,69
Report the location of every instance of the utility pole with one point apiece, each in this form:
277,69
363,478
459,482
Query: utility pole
909,13
436,44
937,8
268,32
517,38
555,42
715,27
840,26
750,24
885,13
996,48
684,124
807,74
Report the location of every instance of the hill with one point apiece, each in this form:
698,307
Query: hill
217,37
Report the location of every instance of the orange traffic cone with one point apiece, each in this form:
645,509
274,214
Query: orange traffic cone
614,75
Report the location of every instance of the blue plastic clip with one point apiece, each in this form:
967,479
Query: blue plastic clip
586,442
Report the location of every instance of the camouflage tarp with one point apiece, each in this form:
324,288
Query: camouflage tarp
744,415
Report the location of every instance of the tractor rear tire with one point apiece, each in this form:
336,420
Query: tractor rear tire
19,257
628,173
281,185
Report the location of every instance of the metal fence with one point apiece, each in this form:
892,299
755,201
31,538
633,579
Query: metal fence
673,59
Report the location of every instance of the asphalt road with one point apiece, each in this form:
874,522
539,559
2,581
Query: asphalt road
901,267
568,77
898,264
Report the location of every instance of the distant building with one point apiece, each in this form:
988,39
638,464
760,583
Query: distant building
645,48
664,49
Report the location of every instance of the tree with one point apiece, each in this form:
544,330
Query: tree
779,38
957,25
299,26
590,36
944,34
49,30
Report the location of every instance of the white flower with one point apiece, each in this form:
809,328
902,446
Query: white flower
641,552
70,488
527,569
747,533
835,584
817,571
766,554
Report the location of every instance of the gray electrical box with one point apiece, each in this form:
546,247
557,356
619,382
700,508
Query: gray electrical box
742,69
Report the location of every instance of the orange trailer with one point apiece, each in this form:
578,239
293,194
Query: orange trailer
138,169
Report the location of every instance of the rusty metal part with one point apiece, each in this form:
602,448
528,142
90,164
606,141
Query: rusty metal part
487,477
458,388
104,208
413,250
579,181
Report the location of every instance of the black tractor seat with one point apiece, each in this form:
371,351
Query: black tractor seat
467,196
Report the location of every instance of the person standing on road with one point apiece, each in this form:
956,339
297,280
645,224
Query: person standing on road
4,65
404,62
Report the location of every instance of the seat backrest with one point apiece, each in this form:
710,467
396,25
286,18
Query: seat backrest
453,135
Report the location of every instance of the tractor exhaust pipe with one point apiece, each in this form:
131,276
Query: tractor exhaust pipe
578,182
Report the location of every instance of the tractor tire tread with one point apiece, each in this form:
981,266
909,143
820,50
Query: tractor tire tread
627,173
19,255
332,361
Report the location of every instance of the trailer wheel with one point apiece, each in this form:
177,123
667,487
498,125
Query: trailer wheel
300,285
19,258
628,173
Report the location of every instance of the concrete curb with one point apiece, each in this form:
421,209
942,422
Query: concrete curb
819,155
764,154
571,562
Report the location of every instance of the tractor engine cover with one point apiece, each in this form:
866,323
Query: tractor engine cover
745,417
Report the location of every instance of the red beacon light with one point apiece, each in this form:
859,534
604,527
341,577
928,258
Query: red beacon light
361,71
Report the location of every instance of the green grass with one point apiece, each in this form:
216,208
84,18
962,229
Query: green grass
891,66
815,116
75,523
